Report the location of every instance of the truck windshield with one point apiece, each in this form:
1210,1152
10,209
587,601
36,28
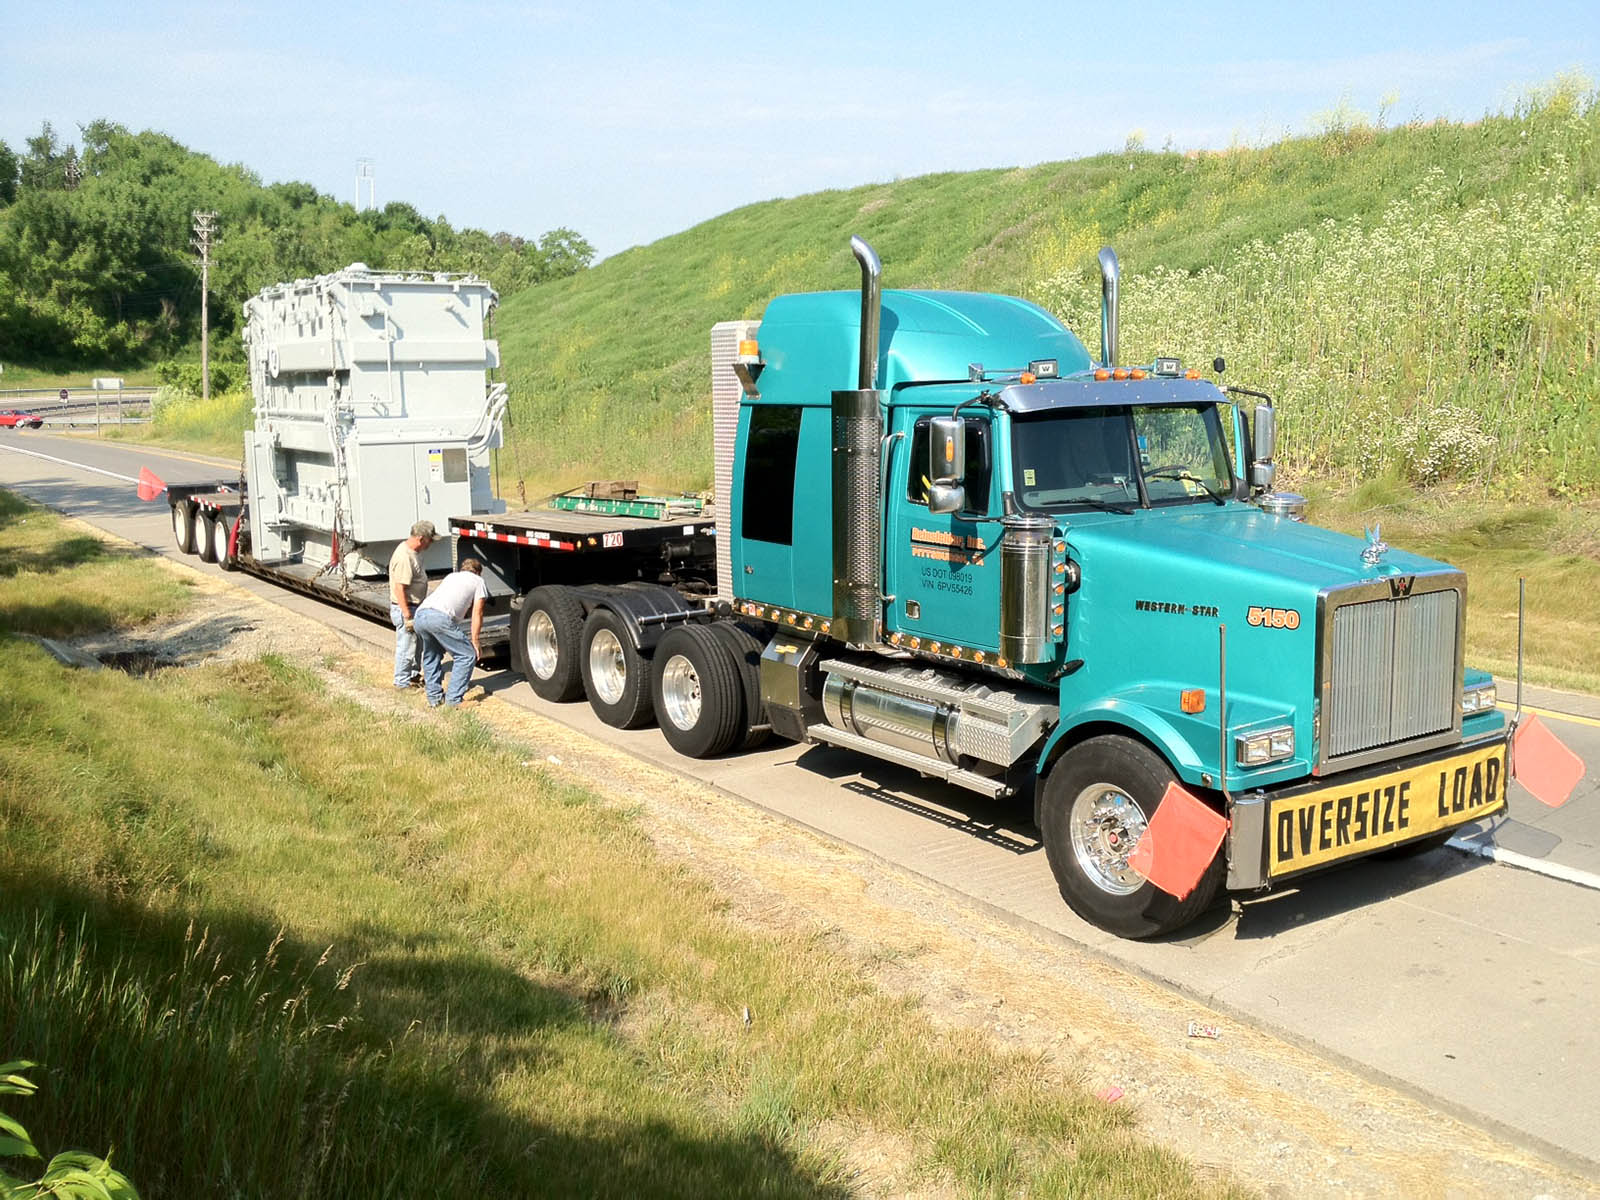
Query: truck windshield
1095,457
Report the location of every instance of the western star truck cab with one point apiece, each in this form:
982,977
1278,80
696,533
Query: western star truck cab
997,561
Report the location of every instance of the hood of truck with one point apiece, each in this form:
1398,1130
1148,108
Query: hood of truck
1159,585
1237,542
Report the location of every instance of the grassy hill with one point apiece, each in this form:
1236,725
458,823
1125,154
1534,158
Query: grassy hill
1422,300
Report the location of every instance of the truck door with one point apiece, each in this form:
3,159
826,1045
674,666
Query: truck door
944,568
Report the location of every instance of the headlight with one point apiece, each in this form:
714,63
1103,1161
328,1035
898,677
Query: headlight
1477,699
1269,745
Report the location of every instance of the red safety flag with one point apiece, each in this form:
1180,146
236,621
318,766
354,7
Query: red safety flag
149,485
1179,843
1542,764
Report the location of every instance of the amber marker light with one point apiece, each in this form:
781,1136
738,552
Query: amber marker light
1101,375
1120,373
1192,700
1191,373
749,348
1028,377
1138,373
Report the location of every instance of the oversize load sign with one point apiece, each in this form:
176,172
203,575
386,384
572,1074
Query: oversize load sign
1368,814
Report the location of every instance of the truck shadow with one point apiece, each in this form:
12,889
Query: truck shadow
1007,824
1342,890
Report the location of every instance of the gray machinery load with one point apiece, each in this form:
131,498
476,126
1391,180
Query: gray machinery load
372,412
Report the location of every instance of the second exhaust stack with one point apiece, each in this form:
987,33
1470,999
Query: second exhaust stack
857,506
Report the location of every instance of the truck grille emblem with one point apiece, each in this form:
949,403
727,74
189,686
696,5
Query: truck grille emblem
1400,586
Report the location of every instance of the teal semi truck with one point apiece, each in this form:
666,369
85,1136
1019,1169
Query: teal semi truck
947,538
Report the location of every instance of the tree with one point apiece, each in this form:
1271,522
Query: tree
10,170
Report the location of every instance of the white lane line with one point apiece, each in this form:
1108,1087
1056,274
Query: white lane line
68,463
1538,866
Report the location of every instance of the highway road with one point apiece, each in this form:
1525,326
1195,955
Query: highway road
1461,981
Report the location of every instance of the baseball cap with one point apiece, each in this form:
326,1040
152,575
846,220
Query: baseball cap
424,529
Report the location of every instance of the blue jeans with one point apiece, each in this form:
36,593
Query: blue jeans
407,649
438,633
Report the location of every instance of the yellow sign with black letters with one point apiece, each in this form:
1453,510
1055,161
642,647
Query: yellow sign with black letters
1331,823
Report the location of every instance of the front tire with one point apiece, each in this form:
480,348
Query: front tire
183,526
1098,798
549,633
698,697
616,675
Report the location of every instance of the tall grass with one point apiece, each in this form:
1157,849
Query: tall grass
180,418
1426,290
1440,340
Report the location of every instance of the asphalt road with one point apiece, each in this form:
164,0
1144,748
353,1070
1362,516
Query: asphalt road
1464,982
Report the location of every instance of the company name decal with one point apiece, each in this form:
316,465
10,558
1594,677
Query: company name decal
946,547
1174,608
1274,618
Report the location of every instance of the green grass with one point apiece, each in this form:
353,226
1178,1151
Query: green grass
215,426
1229,253
78,379
1555,548
57,583
269,943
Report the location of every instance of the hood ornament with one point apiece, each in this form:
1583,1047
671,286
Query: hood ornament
1372,554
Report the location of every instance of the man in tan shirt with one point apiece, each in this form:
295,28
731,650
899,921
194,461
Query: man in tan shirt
408,587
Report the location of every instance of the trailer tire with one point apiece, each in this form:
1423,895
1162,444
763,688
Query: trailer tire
221,532
549,630
747,644
1097,798
204,525
183,526
616,674
697,693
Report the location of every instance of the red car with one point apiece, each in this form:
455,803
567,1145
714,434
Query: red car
16,418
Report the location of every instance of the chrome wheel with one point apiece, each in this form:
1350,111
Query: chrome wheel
544,655
1105,825
608,668
680,692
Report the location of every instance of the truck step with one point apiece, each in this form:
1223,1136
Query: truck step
938,768
656,508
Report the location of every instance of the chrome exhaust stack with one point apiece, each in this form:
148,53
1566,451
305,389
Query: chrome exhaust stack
1109,275
857,506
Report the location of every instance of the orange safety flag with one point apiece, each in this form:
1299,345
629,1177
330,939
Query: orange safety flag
1542,764
149,485
1179,843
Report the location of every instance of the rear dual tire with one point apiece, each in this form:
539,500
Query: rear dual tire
549,631
205,524
616,674
183,526
698,694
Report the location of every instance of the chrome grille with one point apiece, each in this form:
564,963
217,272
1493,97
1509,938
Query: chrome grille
1392,671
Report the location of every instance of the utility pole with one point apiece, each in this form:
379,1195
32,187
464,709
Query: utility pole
205,228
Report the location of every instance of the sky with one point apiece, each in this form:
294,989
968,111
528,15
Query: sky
631,121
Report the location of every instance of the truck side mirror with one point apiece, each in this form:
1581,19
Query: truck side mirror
1264,437
947,464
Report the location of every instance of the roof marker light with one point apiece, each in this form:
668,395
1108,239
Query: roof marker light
1137,373
1101,374
1120,373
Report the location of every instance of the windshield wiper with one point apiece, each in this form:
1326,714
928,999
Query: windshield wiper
1173,473
1103,505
